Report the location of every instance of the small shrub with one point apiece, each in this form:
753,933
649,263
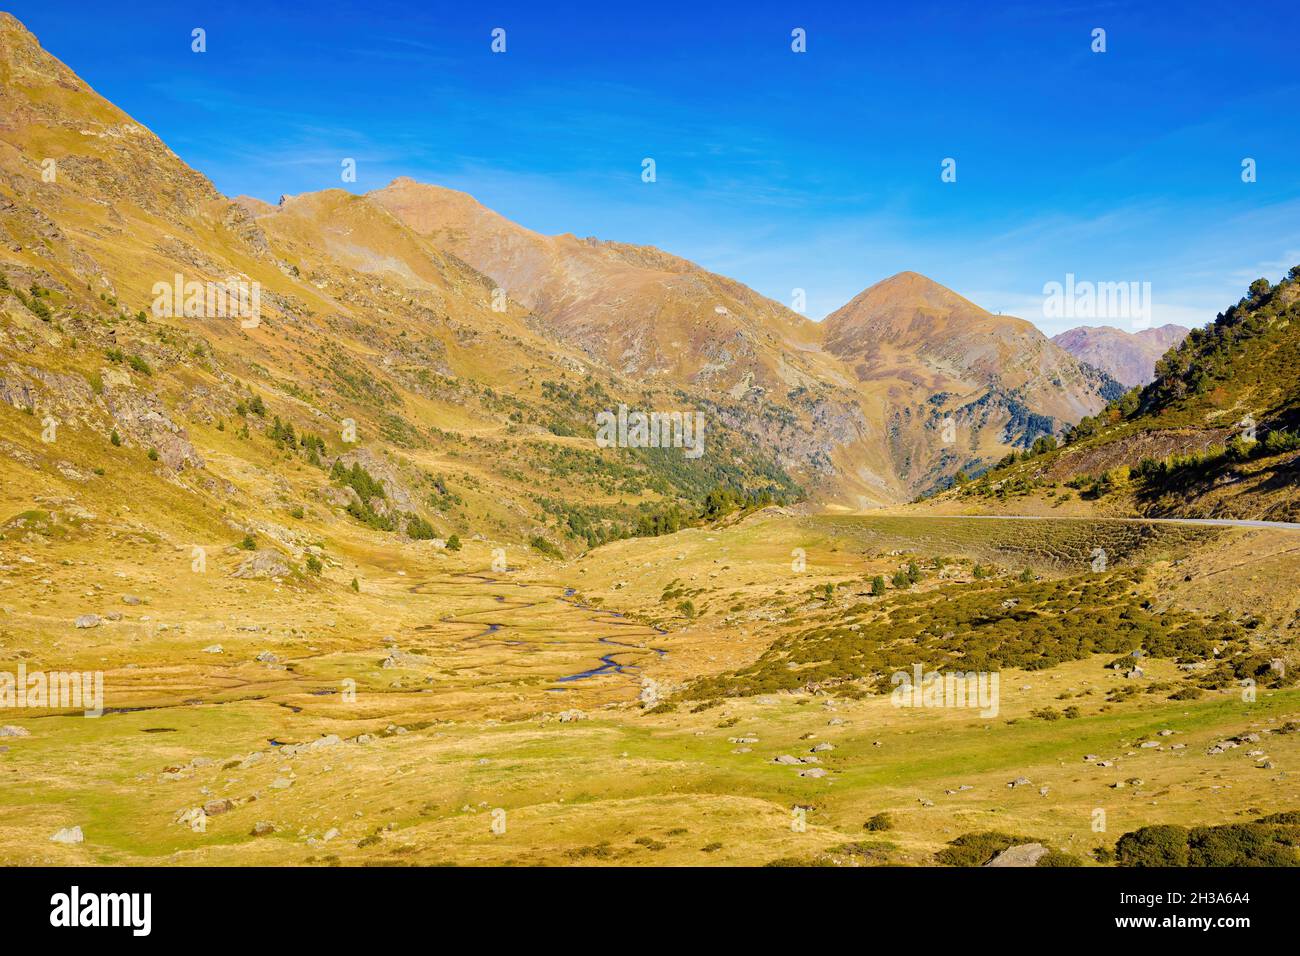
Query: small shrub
880,822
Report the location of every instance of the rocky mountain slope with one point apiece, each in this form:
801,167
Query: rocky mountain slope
886,370
1128,357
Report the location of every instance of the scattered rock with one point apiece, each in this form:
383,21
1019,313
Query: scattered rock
262,564
87,620
188,817
9,730
68,835
398,658
1019,782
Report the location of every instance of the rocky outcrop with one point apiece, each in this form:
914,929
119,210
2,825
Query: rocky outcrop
142,419
262,564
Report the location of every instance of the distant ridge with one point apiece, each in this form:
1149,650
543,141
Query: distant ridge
1130,357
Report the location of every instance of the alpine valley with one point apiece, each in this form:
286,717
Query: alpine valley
381,572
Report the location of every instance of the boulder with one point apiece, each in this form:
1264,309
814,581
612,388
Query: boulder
263,563
1024,854
68,835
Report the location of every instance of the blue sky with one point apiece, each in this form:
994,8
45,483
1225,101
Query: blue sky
818,170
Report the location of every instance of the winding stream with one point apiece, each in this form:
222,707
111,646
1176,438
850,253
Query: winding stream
609,663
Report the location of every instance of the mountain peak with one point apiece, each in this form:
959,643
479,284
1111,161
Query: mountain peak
47,110
909,289
21,55
910,322
902,307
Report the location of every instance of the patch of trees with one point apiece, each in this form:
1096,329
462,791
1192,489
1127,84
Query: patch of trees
538,543
312,446
1178,471
368,488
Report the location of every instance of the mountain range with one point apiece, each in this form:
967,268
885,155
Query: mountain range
453,339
